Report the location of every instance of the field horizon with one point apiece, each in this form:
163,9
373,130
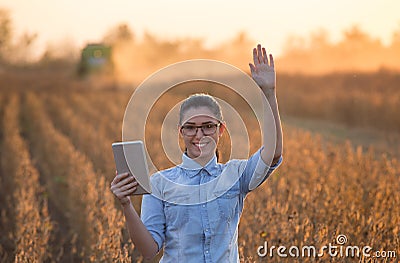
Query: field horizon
340,174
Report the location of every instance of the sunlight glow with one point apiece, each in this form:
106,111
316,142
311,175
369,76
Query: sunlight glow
269,22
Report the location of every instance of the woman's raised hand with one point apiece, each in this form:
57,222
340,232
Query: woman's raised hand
263,69
122,186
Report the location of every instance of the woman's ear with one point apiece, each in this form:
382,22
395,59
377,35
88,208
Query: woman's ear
222,128
180,131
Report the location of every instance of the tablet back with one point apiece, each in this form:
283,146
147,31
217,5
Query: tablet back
137,165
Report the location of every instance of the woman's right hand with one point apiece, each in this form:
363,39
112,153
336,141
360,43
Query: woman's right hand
122,186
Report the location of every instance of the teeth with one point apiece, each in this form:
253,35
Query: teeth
200,144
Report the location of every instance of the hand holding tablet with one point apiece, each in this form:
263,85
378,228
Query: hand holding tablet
130,159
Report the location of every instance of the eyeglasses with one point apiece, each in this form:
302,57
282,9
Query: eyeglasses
207,129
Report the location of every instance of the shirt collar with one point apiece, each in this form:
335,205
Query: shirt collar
193,168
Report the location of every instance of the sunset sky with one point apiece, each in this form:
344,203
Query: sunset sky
268,22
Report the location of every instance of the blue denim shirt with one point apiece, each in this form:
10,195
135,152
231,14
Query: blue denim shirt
193,212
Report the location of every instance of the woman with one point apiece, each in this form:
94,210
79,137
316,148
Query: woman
193,213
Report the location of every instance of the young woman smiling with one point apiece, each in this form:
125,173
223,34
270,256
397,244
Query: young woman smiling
194,211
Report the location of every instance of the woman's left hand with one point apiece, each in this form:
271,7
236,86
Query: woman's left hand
263,70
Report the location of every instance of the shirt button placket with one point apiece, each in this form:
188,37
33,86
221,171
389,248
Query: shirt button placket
204,219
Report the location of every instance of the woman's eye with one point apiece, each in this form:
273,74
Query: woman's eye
208,126
190,128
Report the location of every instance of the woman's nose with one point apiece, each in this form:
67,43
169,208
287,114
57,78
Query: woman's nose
199,132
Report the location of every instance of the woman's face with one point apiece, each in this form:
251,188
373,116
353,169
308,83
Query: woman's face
199,146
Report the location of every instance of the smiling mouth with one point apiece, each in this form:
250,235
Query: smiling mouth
200,145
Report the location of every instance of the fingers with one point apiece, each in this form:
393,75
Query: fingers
271,61
119,177
123,185
128,186
126,180
124,194
260,56
264,56
252,68
255,57
122,182
126,190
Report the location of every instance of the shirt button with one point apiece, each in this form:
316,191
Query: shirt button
204,205
206,251
206,230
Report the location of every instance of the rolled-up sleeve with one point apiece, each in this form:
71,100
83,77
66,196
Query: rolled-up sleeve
256,172
152,215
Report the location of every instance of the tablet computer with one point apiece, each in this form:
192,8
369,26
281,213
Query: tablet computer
137,165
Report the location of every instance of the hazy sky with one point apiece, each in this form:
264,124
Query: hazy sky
268,22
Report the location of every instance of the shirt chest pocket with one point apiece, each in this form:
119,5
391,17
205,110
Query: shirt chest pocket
228,204
175,214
